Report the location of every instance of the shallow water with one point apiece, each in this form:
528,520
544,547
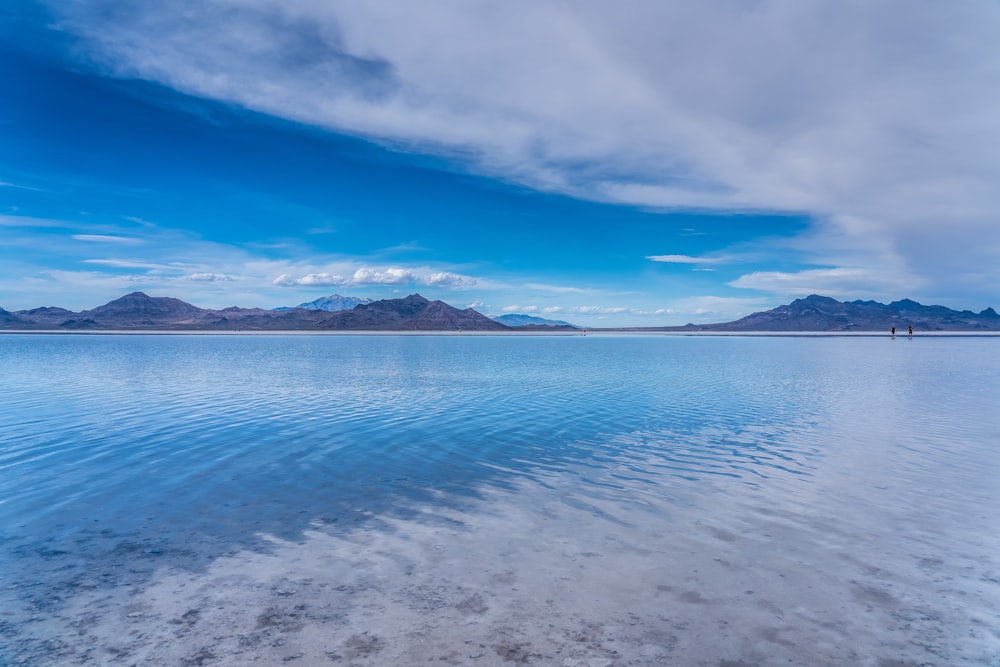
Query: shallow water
593,500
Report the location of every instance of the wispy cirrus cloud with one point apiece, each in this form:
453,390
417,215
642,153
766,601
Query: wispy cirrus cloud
108,238
598,310
687,259
18,186
140,221
132,264
173,262
210,277
26,221
840,281
559,289
288,280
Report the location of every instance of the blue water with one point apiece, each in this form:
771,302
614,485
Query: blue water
124,457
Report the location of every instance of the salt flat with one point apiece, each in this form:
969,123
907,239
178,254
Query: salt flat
609,500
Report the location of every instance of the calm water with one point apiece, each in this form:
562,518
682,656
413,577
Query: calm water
499,500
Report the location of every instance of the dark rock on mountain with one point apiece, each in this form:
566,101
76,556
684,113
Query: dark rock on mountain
519,320
414,313
7,317
46,311
821,313
44,316
85,323
139,306
439,316
387,313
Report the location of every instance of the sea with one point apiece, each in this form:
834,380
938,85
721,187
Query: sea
579,501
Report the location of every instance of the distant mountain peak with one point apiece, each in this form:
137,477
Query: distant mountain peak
410,313
141,305
907,303
815,300
415,298
331,303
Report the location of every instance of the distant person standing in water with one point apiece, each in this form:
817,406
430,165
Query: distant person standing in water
909,331
894,331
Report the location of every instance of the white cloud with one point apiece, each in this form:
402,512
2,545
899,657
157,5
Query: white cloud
390,276
310,279
840,281
559,289
687,259
209,277
8,184
597,310
444,278
132,264
28,221
140,221
410,246
515,308
108,238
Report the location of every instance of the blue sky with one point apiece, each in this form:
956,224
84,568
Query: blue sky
648,164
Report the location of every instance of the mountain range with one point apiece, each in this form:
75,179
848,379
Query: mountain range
138,311
821,313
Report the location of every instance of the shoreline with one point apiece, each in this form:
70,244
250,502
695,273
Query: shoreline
580,333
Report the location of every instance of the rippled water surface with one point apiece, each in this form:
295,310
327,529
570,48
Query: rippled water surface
600,500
